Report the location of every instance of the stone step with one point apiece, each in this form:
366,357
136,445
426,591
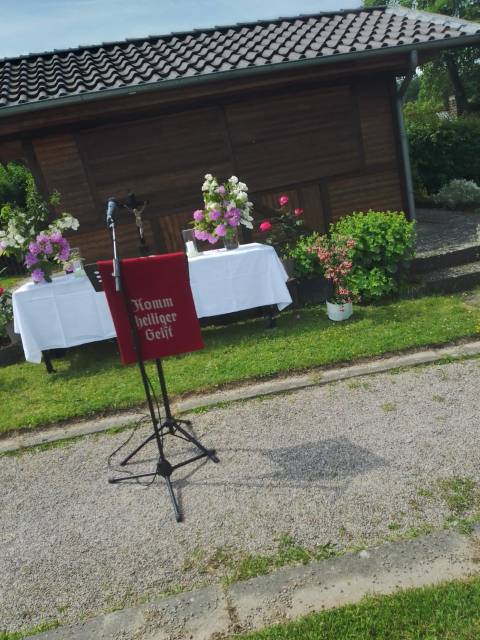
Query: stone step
440,259
456,278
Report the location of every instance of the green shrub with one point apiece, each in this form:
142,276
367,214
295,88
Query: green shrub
384,245
444,149
307,264
459,193
13,183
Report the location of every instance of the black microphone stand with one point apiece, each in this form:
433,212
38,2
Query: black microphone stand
168,426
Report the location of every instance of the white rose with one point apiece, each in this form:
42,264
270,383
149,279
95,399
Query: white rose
242,186
242,197
208,176
233,180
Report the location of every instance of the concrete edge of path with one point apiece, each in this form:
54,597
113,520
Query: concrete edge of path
241,392
212,613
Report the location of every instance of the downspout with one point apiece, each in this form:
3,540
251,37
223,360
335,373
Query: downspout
405,153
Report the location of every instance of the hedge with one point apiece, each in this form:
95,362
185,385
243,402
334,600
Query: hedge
442,150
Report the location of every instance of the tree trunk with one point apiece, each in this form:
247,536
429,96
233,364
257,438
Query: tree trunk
458,88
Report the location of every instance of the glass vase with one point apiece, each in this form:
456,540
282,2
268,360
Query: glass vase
230,241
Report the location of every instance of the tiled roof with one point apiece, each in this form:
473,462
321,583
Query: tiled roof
206,53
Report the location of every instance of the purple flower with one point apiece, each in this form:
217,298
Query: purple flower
221,190
198,215
56,237
34,248
3,245
215,214
30,260
48,249
200,235
64,254
233,217
220,230
211,239
38,275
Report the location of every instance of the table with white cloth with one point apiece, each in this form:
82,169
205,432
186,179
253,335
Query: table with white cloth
63,313
227,281
68,311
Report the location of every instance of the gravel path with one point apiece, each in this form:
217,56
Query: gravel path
350,463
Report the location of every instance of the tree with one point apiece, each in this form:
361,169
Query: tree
456,71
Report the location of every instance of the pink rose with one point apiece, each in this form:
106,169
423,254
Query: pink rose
283,200
265,226
298,212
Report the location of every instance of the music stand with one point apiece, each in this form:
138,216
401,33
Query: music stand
169,425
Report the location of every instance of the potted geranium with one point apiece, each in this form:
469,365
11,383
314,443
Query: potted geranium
336,257
283,230
226,207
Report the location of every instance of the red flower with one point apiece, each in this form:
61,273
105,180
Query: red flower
265,226
1,290
283,200
298,212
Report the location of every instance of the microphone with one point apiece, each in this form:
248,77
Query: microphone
111,208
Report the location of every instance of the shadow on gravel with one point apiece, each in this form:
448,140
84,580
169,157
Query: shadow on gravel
334,458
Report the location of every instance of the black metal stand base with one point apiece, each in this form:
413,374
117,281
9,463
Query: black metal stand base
164,468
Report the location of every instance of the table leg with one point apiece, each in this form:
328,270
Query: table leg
48,362
271,312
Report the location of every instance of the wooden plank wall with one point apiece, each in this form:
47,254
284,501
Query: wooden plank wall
331,149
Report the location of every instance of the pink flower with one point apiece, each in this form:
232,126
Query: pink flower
198,215
1,290
265,226
220,230
221,190
215,214
298,212
351,243
283,200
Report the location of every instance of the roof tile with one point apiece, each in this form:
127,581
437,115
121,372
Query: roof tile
66,73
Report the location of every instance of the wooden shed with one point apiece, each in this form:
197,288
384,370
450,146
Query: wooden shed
307,106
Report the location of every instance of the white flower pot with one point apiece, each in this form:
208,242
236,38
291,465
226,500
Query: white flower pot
339,311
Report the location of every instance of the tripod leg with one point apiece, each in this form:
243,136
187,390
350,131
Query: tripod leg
199,445
130,455
176,508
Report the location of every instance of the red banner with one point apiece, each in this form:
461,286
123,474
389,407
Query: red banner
158,291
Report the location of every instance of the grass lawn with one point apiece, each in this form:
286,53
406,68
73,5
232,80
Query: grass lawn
90,379
7,282
447,612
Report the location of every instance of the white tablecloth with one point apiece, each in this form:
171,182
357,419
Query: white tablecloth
227,281
64,313
68,312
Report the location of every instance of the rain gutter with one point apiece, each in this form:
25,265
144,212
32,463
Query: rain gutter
237,74
405,152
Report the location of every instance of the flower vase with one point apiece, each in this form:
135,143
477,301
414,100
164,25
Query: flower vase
339,312
230,241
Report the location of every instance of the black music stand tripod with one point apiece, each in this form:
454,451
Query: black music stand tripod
169,425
